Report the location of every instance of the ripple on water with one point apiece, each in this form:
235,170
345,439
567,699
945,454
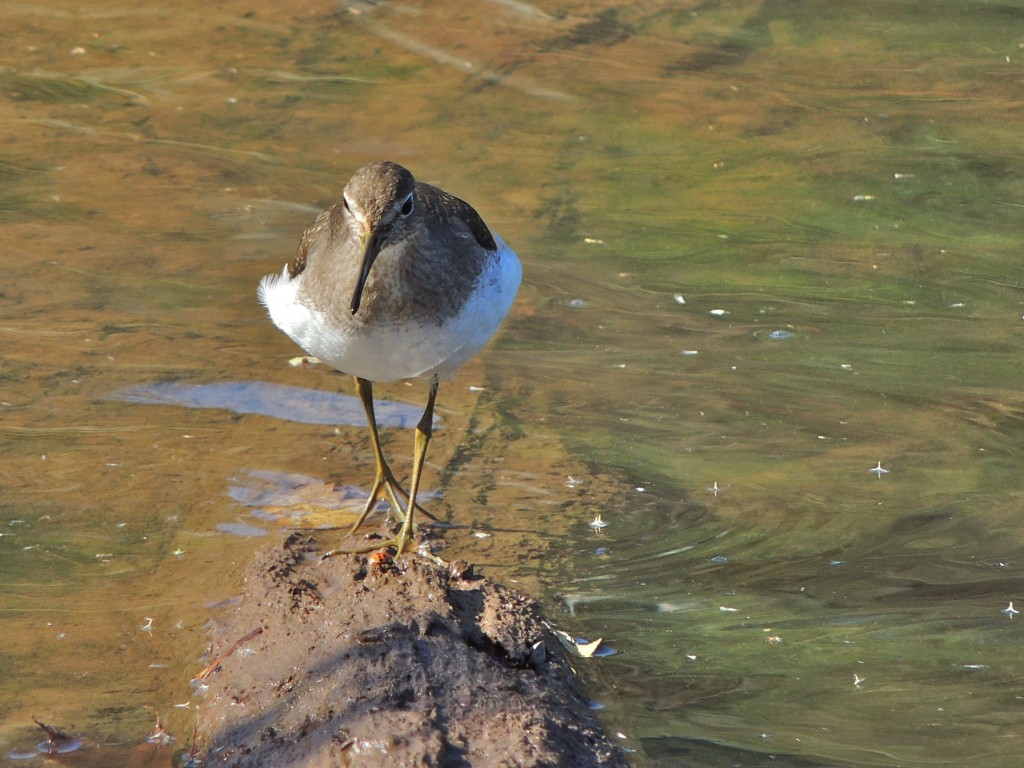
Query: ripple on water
58,746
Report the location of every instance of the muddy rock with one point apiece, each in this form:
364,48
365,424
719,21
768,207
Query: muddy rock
363,661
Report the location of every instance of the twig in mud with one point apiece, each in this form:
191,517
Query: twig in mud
53,733
58,742
193,760
212,666
159,736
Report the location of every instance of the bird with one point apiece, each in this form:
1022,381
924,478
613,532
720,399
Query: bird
397,280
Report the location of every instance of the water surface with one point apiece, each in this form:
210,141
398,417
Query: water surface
768,247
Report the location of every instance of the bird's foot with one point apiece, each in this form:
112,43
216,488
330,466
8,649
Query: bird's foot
387,488
398,498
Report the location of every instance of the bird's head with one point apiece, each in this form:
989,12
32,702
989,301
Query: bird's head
380,203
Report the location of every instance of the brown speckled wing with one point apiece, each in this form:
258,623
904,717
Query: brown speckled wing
443,206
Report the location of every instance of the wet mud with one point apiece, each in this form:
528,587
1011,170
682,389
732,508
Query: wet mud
362,660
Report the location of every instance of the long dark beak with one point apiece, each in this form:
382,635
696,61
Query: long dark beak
370,244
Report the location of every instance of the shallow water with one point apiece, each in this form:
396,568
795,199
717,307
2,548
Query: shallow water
768,247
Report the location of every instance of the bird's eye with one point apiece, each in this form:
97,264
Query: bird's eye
407,206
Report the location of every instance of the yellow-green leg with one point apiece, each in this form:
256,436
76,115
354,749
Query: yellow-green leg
423,431
385,482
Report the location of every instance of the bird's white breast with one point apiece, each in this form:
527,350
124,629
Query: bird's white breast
392,348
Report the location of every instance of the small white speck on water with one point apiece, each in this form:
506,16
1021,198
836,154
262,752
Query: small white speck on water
863,198
679,299
718,312
577,303
1010,610
879,470
597,523
689,352
593,241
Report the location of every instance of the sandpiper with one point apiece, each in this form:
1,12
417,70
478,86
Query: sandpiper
397,280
